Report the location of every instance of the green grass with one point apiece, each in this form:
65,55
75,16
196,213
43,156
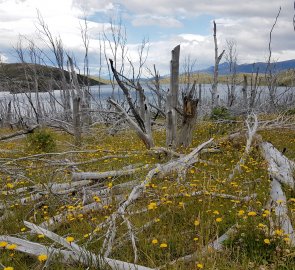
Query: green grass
174,217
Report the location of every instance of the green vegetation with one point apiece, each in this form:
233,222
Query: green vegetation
181,222
40,141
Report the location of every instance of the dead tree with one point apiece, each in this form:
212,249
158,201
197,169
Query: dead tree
231,79
271,76
255,81
189,115
215,97
142,122
172,99
244,92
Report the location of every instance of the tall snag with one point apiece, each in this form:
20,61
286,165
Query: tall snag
215,97
172,99
142,122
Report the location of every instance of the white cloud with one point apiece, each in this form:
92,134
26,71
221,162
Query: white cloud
248,22
162,21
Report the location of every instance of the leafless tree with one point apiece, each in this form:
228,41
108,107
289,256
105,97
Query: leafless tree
231,79
218,57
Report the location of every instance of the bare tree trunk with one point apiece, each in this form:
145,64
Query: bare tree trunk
215,97
189,117
77,120
172,98
244,92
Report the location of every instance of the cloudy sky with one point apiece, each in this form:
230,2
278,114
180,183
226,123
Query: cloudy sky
165,23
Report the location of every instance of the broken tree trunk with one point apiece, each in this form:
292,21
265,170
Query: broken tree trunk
190,104
145,135
172,99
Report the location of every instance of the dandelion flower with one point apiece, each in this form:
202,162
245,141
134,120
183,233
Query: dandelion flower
279,232
155,241
252,214
152,206
11,247
266,241
197,222
70,239
200,266
3,244
96,199
8,268
42,257
241,212
218,219
216,212
163,245
110,185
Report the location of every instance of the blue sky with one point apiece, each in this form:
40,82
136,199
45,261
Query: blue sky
165,23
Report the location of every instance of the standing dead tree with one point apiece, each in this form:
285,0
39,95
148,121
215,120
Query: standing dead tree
215,97
231,79
189,116
271,76
142,122
172,99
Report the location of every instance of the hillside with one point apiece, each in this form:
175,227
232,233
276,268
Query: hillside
249,68
19,77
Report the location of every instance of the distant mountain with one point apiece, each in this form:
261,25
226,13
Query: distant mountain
249,68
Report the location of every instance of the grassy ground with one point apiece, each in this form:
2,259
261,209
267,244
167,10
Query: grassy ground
181,224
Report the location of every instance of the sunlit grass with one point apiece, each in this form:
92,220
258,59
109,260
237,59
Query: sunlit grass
181,223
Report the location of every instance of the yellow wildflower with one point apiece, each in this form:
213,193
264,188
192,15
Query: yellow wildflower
218,219
11,247
266,241
199,265
241,212
216,212
197,222
252,214
9,185
152,206
8,268
96,199
3,244
70,239
279,232
42,257
155,241
110,185
163,245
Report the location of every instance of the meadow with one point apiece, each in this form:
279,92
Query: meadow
173,217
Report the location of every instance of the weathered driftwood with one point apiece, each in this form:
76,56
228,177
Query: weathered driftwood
252,125
18,133
216,245
78,176
279,204
280,171
279,166
82,255
58,219
35,249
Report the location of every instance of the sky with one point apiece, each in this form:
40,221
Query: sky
163,23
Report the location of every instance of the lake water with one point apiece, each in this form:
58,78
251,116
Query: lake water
102,93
